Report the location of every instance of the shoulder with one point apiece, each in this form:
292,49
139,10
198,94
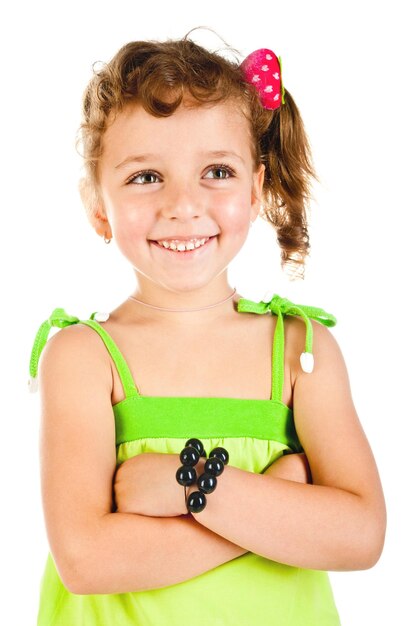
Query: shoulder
75,348
329,381
73,338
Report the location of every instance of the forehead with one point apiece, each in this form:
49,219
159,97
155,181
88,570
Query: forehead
220,126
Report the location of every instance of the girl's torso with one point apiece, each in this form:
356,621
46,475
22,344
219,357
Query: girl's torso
233,388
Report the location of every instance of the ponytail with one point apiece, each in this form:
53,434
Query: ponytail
287,157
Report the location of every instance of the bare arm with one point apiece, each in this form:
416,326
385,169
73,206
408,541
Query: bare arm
77,452
336,523
134,553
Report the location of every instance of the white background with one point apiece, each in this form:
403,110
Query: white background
351,68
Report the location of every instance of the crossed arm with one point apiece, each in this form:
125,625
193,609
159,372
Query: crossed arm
278,514
159,504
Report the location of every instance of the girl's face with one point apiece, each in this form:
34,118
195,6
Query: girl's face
186,176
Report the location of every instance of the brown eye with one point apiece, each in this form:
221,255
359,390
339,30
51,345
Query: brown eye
222,168
140,175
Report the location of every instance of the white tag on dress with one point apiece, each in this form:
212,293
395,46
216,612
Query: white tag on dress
307,362
33,384
101,317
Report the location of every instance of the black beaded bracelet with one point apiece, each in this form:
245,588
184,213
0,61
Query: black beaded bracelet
207,482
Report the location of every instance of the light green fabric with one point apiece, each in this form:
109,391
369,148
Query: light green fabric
250,590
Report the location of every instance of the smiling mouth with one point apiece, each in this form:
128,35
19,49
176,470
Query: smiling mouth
183,248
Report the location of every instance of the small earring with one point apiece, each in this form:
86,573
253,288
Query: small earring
107,240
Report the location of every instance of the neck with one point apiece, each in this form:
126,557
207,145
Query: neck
184,309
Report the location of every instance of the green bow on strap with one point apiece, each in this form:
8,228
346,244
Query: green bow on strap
282,306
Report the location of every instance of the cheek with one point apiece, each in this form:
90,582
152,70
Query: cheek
233,215
132,223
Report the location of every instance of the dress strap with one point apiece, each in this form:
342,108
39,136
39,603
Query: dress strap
60,319
282,306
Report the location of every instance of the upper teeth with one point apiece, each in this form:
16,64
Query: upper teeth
183,245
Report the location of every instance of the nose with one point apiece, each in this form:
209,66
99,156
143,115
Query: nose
184,200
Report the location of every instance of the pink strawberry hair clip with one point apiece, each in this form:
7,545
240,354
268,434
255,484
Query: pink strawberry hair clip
263,69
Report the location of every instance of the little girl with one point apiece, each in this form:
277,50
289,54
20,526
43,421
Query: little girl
187,475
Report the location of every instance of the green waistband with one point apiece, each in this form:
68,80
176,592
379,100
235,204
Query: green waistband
176,417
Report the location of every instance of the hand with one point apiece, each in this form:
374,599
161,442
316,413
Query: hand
146,484
291,467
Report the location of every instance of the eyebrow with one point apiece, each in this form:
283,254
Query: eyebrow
140,158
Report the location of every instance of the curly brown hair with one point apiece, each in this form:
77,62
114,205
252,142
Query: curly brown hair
159,76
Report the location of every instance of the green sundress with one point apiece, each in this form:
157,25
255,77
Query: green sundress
250,590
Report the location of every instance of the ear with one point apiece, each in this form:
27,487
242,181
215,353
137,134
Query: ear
96,213
257,189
